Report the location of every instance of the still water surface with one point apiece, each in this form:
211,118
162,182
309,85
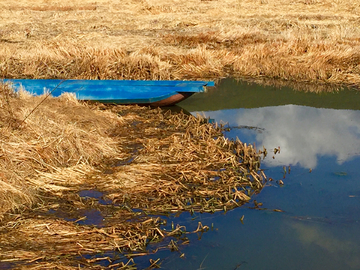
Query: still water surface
319,138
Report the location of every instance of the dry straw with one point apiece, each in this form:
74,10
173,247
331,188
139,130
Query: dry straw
140,158
137,157
294,41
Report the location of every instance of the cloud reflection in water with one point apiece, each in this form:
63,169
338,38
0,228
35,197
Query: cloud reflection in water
303,133
338,249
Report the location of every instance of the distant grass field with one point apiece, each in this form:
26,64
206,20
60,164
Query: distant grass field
314,41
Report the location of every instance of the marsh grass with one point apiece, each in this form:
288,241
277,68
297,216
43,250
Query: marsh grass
297,41
47,141
155,161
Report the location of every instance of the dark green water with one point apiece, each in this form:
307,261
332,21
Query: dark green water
319,138
230,94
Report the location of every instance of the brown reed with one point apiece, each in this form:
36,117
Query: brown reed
138,157
52,139
297,41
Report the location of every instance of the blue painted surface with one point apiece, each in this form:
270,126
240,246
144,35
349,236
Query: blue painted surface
119,91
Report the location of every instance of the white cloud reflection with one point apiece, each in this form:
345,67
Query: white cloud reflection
338,248
303,133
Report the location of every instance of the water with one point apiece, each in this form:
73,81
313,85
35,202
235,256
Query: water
319,139
319,228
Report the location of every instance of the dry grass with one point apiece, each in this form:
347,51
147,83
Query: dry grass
181,155
62,134
141,158
137,157
305,41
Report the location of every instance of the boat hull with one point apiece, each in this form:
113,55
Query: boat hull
154,93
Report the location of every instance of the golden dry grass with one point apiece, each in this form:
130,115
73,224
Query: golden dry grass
62,134
137,157
302,40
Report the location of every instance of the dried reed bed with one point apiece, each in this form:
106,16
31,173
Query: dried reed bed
69,60
137,157
313,41
182,155
62,134
53,243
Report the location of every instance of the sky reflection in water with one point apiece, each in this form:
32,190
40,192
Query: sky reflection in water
303,133
320,228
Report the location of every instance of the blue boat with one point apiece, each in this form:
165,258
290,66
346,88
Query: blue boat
154,93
